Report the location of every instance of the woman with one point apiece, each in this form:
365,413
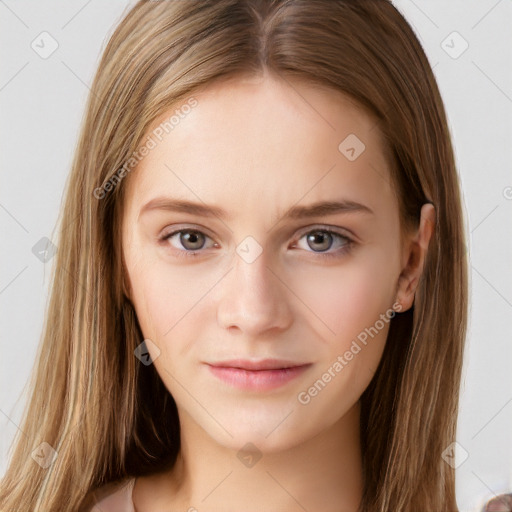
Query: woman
201,352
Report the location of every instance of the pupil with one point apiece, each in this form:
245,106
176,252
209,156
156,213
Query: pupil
320,237
192,238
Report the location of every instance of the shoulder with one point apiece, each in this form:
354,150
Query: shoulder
112,497
501,503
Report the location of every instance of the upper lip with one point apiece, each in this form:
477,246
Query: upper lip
262,364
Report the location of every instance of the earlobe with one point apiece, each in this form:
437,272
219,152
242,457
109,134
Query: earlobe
406,291
416,255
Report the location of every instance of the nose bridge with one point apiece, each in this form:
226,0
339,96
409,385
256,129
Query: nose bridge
254,279
253,298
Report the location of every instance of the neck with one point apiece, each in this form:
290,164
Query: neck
323,473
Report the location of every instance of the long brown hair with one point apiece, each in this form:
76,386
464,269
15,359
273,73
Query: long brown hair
109,417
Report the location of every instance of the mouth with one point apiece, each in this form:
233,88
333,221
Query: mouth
262,375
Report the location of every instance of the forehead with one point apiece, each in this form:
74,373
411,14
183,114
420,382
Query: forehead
266,141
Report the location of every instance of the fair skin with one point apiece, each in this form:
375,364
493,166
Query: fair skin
256,148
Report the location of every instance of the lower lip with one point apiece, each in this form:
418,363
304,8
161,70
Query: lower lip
257,380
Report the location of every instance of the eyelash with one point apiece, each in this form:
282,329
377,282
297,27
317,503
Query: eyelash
349,243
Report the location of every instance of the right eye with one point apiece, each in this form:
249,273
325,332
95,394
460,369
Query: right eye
187,241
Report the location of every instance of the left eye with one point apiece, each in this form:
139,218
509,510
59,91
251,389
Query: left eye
321,240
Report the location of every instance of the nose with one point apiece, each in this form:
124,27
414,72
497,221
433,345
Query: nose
254,299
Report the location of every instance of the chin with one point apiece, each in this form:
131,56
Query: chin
248,440
269,431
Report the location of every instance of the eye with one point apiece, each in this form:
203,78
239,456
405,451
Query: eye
186,241
322,240
189,242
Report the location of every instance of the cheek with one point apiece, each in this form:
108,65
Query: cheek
152,292
346,299
159,305
169,301
352,301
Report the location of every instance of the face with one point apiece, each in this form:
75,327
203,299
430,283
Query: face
267,312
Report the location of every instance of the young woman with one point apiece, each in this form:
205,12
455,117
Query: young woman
260,294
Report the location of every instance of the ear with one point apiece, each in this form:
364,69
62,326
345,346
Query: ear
415,251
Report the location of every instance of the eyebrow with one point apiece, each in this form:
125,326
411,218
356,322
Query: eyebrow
319,209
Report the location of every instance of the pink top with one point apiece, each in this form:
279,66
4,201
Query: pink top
118,499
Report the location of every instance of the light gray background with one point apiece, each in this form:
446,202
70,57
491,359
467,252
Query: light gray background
42,102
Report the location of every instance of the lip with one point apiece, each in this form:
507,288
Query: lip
262,375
